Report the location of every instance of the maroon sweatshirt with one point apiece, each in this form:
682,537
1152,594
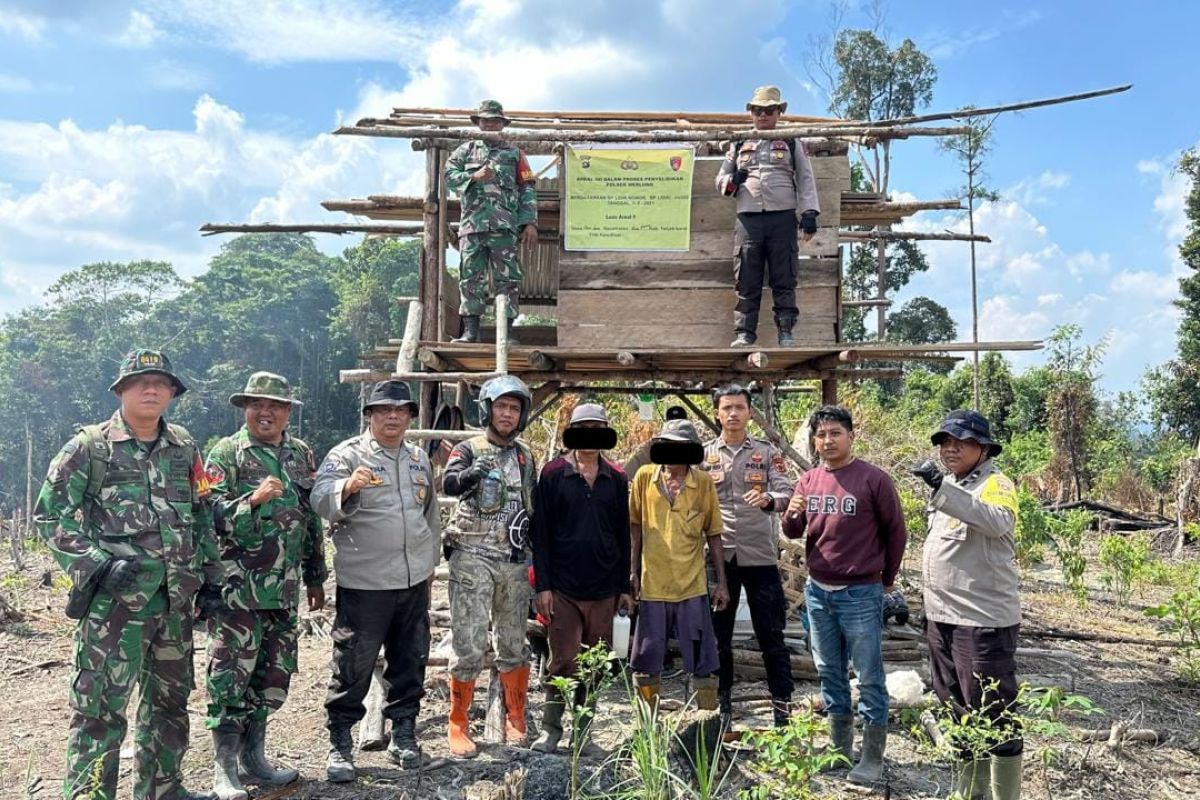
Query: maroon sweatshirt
854,522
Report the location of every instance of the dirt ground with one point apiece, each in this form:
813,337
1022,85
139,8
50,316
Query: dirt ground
1134,683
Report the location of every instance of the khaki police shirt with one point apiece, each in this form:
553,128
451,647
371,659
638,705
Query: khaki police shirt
969,564
774,183
749,531
387,533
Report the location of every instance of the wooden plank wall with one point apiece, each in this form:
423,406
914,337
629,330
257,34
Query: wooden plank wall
608,299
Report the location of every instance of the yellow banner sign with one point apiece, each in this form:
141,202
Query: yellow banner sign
628,198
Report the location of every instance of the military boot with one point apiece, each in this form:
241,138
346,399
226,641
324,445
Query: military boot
784,323
552,716
581,730
470,332
227,740
403,748
869,769
1006,777
781,711
340,768
744,339
254,758
841,739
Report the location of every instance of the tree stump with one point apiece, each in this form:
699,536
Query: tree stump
1187,500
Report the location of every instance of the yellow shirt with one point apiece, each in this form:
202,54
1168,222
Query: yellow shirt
673,534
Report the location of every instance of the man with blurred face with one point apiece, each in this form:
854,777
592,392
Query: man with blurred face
493,476
271,542
850,512
772,181
125,511
580,537
377,492
752,484
499,211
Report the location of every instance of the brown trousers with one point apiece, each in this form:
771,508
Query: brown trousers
577,624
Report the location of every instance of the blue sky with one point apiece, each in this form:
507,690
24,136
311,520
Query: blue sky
126,124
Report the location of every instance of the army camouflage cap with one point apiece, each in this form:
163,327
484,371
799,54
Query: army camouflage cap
490,109
265,385
146,362
765,97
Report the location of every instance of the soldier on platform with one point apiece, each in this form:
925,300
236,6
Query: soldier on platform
493,475
752,485
271,542
776,194
377,493
125,511
496,187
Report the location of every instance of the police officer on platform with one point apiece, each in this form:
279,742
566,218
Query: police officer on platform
776,194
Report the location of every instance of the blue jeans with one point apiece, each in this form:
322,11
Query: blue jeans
846,626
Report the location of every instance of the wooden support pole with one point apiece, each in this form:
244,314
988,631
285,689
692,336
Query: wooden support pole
432,360
427,270
544,407
838,360
443,230
502,334
412,335
700,414
829,391
778,439
770,410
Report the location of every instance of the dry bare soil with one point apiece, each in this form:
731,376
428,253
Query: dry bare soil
1134,683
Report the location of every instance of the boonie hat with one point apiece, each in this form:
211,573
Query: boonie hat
267,386
968,424
390,393
490,109
146,362
765,96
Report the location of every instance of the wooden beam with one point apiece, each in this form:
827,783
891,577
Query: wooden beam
829,362
908,236
540,361
866,303
393,229
436,136
628,359
751,361
700,414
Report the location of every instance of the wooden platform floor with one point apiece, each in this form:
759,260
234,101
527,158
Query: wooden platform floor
676,364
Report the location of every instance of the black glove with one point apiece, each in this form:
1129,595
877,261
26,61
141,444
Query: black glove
118,575
473,474
739,177
208,602
808,222
928,472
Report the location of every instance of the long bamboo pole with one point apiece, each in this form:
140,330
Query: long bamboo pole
909,236
452,135
391,229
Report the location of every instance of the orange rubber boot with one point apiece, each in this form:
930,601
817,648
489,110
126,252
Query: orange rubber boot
516,692
458,731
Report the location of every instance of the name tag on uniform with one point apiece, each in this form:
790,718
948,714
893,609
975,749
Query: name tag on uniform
956,530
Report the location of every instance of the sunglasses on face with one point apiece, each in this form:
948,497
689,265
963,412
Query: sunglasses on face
760,111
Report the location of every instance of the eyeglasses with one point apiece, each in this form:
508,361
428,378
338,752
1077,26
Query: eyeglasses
764,111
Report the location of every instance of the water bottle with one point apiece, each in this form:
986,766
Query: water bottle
491,490
620,637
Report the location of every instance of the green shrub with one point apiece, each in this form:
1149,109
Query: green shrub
1124,560
1033,534
1069,531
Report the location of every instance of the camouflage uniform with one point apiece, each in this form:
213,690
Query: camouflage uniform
151,507
491,219
267,551
489,577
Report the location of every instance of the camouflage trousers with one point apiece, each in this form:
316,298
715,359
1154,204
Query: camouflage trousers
114,648
484,256
484,590
251,660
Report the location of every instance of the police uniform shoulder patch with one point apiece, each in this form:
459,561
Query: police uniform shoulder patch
214,473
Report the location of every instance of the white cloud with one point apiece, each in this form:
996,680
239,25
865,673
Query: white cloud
274,31
1037,190
173,75
140,32
21,25
942,45
15,84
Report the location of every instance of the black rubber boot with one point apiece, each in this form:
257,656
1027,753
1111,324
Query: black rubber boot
784,323
725,705
552,727
470,334
781,711
254,759
227,740
340,768
744,340
581,730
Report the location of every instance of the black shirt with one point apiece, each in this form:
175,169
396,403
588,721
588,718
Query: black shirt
581,533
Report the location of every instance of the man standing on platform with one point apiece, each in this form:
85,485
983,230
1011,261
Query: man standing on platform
752,484
776,193
377,492
271,542
493,475
125,511
496,187
581,560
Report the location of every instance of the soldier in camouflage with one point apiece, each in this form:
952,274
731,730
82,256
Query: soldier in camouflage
271,540
493,476
125,511
499,207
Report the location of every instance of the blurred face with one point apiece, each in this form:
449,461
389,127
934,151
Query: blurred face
765,117
267,419
960,455
595,423
146,397
491,125
834,443
506,415
733,412
388,424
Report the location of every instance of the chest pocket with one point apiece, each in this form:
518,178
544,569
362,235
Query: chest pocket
378,494
747,156
124,483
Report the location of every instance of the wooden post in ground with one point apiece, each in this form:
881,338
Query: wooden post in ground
372,735
428,278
